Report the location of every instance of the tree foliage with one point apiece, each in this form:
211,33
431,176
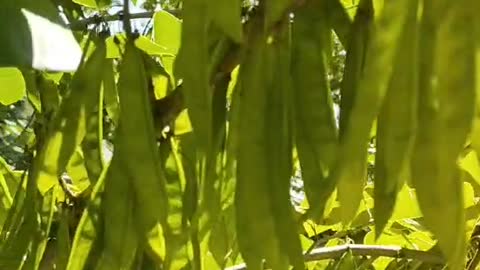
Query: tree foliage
210,109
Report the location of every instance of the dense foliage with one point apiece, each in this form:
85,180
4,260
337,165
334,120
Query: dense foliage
313,134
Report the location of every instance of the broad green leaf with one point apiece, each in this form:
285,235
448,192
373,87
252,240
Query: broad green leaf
167,31
38,39
135,143
385,239
66,131
226,14
446,41
150,47
13,86
77,171
406,206
116,44
470,164
396,124
94,3
349,171
315,128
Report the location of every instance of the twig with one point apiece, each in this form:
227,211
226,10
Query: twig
325,253
82,24
126,18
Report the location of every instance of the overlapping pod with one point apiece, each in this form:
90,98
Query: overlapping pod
445,113
338,20
88,228
315,128
396,124
279,140
349,170
254,219
191,64
226,14
135,144
120,220
68,127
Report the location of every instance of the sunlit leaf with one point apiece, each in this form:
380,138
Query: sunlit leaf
94,3
13,86
38,39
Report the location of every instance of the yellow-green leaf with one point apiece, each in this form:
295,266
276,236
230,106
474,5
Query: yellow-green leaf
12,84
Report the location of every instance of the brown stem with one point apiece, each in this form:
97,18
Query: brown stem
325,253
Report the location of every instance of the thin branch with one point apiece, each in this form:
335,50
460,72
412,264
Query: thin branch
84,23
126,18
325,253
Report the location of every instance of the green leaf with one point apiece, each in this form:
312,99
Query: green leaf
11,80
38,39
349,171
406,206
470,164
226,14
77,171
94,3
315,128
446,41
167,31
396,124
